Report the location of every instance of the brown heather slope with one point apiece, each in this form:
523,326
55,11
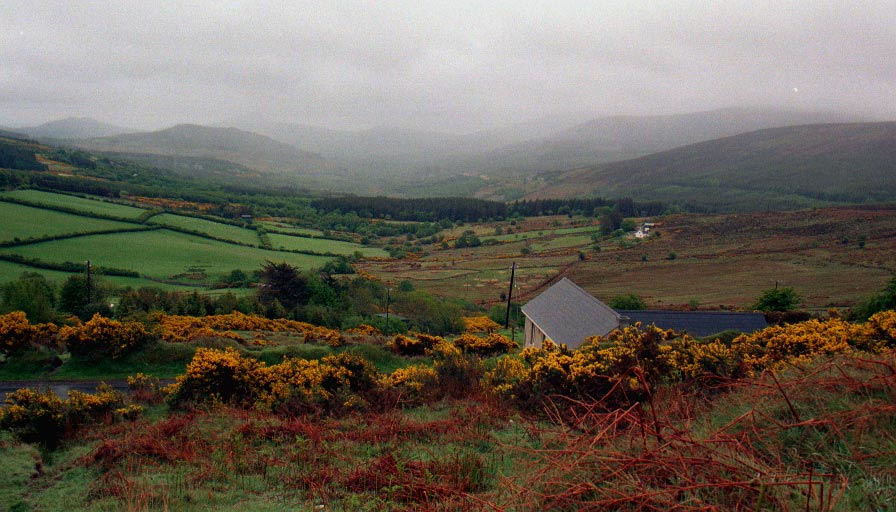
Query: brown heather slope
832,256
772,169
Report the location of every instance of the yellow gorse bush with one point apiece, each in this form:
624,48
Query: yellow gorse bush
506,374
880,331
364,330
412,383
782,345
628,358
44,418
477,324
414,344
16,332
179,328
492,344
101,336
293,385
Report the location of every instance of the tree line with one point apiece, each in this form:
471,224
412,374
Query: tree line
464,209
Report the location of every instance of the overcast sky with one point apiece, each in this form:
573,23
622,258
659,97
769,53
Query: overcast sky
451,66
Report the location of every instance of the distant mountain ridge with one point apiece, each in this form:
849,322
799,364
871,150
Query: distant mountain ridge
226,144
527,148
73,128
764,169
616,138
544,158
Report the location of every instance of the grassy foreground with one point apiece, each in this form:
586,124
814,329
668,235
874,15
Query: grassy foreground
815,437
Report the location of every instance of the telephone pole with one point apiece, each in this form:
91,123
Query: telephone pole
88,282
509,296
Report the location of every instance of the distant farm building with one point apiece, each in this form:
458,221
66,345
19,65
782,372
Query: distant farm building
567,314
643,230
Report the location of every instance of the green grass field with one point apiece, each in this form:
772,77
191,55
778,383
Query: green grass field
528,235
24,222
164,254
211,228
561,242
323,246
292,230
76,203
11,271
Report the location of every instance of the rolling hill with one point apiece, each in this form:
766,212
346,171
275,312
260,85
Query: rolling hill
777,168
247,149
73,128
610,139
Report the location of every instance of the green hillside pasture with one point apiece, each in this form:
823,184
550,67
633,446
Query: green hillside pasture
76,203
213,229
526,235
164,254
23,222
561,242
290,230
11,271
323,246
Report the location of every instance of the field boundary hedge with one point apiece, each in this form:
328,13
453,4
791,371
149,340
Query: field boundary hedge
66,266
72,211
66,236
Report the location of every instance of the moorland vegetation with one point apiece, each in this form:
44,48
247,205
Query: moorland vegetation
282,348
459,425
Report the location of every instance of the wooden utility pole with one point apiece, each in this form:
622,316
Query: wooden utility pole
88,282
509,296
388,298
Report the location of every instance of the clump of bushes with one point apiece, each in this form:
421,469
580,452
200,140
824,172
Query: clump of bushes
459,374
413,344
295,385
490,345
16,333
627,364
41,417
413,384
477,324
103,337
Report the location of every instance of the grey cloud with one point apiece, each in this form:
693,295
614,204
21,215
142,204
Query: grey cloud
444,65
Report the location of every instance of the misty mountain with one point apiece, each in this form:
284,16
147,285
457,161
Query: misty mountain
247,149
617,138
73,128
773,168
402,151
524,148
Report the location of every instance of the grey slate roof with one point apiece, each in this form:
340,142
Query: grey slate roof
568,314
698,323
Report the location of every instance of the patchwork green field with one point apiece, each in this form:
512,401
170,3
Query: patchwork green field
164,254
323,246
288,229
76,203
10,271
25,222
166,258
211,228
